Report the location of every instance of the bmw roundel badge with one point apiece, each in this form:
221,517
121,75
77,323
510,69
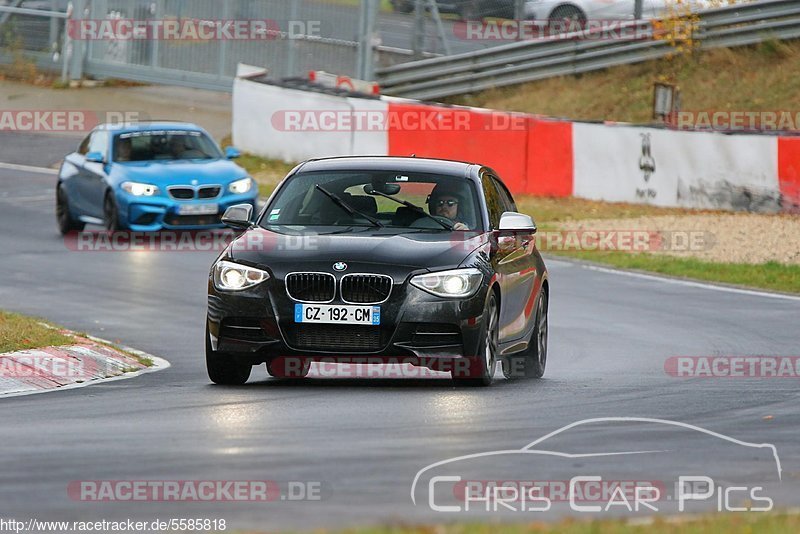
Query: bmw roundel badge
340,266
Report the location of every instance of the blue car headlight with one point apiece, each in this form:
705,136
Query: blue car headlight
458,283
242,186
139,190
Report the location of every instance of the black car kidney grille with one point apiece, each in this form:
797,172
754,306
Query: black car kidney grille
311,287
332,337
366,288
209,192
181,193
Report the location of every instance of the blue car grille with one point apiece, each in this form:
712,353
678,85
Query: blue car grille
208,192
190,193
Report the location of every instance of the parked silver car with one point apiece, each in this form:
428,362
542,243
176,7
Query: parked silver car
584,10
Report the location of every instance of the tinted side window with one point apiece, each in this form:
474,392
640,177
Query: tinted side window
505,197
99,143
493,202
83,149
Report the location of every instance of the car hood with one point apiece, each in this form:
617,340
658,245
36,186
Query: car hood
165,173
283,253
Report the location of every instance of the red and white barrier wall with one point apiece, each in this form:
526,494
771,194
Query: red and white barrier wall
534,155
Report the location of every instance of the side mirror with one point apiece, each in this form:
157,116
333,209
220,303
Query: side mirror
232,152
95,157
511,220
238,216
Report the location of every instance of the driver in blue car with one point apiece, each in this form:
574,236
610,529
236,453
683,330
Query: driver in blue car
444,202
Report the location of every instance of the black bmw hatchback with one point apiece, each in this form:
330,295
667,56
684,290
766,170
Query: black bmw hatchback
380,260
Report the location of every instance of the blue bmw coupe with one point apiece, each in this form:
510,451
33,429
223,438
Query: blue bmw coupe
149,177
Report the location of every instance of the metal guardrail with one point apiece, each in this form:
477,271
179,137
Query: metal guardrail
574,53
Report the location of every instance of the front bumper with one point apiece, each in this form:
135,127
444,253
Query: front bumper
417,327
151,214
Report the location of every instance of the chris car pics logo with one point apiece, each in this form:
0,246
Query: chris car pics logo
640,465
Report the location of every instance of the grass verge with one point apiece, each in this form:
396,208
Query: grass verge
738,523
754,78
772,275
18,332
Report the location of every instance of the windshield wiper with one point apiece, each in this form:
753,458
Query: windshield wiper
346,207
411,206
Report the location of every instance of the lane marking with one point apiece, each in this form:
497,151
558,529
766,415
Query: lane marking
27,168
750,292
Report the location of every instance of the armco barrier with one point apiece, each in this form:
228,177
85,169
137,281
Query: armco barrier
536,155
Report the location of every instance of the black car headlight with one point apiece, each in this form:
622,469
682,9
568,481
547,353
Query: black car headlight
458,283
231,276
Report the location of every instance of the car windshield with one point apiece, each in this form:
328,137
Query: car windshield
161,145
399,200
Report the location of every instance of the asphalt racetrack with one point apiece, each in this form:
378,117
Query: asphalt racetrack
364,440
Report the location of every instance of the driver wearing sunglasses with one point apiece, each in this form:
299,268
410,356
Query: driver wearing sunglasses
445,204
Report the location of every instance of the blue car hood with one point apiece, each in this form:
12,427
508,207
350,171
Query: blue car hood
166,173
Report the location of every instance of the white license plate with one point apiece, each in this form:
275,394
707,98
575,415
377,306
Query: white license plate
332,314
198,209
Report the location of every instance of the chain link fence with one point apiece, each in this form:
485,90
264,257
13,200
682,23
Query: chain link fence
289,38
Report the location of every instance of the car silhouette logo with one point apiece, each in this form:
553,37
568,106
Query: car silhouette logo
339,266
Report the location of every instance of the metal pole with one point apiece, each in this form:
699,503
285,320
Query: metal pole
66,47
291,57
76,59
437,19
637,10
369,50
418,39
53,27
223,44
362,39
155,42
519,9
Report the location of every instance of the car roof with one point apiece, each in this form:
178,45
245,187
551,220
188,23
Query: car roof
149,125
389,163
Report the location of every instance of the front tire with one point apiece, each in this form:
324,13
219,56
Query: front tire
223,368
531,362
481,368
111,213
66,223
